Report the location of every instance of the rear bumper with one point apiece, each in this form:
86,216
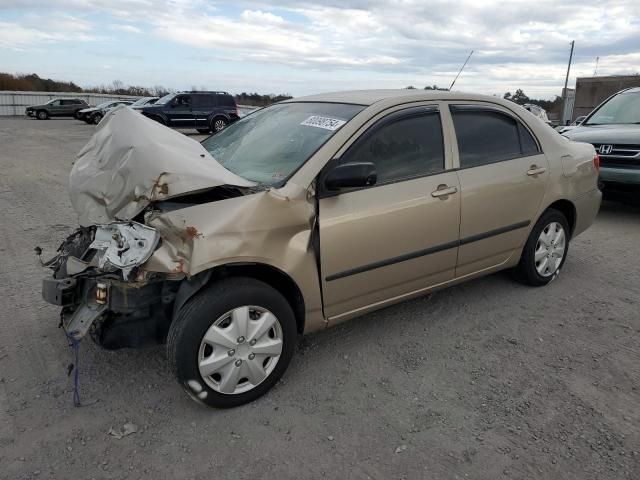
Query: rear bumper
587,207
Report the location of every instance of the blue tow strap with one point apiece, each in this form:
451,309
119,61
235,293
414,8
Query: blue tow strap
75,366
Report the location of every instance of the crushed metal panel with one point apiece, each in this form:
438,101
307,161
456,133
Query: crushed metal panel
269,227
131,161
124,245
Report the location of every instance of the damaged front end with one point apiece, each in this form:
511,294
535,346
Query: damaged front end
129,165
102,291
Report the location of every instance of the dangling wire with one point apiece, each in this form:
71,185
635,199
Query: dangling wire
75,368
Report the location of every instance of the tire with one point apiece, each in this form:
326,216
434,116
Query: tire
203,131
210,312
76,115
536,272
96,119
42,115
218,124
158,119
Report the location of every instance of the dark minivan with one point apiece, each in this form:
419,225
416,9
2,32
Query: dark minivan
204,111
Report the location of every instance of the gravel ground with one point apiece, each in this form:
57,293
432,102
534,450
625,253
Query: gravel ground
486,380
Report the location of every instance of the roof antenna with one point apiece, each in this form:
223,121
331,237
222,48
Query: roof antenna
462,68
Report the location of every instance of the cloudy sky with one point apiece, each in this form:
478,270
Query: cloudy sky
300,47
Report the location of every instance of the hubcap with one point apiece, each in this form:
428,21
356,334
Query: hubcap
550,249
240,349
218,125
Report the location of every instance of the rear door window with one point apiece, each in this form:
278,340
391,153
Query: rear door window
487,135
203,101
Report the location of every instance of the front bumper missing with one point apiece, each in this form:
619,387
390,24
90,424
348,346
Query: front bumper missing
78,323
67,293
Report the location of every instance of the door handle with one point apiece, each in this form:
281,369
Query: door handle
535,170
443,191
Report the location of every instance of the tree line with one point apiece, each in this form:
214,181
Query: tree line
33,83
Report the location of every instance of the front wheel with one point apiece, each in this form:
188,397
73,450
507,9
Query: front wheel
232,342
546,250
42,115
97,118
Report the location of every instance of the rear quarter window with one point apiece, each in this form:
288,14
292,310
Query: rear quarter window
226,101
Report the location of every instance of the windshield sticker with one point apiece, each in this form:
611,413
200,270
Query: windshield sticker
323,122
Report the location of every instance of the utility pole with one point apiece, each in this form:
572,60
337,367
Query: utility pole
595,72
465,62
566,80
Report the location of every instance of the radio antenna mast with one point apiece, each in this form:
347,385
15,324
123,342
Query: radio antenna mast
462,68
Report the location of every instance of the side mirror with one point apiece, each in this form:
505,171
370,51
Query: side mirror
351,175
580,119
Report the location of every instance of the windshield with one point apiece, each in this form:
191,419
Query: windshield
165,99
269,145
624,108
140,101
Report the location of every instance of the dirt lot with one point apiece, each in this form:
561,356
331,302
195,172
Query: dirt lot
486,380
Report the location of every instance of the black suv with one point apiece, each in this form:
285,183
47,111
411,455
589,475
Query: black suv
204,111
58,107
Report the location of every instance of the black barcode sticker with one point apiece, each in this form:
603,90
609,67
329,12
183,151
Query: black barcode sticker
323,122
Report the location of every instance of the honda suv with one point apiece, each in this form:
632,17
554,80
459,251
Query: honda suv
204,111
613,128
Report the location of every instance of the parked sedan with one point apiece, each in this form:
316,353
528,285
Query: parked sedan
144,102
95,114
303,215
58,107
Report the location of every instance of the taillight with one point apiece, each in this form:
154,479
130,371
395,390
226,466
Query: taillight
596,161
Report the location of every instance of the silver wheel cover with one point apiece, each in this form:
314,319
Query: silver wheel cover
218,125
550,249
240,350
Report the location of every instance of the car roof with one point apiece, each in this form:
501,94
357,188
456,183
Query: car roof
631,90
369,97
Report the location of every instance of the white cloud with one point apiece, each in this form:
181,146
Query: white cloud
29,33
517,44
126,28
261,18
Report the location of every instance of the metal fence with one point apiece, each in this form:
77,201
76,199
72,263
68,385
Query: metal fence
14,103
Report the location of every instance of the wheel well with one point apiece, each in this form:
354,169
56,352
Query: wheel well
218,116
568,210
156,118
271,276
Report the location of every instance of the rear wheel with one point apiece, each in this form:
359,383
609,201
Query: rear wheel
42,115
546,250
218,124
77,115
232,342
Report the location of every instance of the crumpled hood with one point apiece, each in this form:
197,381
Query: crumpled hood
132,161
